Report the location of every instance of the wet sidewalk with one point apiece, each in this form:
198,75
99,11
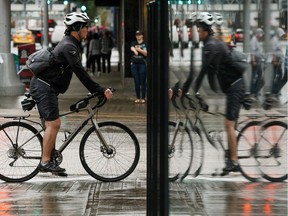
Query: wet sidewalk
81,195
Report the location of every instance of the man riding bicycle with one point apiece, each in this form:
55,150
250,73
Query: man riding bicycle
46,86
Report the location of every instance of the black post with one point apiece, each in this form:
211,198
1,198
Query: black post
157,109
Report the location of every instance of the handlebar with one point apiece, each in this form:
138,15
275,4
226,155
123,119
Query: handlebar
85,101
28,103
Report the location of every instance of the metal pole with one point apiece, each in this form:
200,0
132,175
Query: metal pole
45,25
246,44
10,84
157,109
267,45
267,27
246,14
162,106
5,26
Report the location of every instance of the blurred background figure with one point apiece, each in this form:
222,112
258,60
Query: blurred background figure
107,45
95,53
277,60
257,64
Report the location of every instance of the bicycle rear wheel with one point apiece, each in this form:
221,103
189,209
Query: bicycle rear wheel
20,151
247,144
272,150
198,151
109,166
180,151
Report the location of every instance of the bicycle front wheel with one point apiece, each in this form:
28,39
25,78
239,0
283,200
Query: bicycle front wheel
247,140
180,151
272,150
20,151
115,163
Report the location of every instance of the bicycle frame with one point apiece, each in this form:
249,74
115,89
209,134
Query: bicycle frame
72,135
81,125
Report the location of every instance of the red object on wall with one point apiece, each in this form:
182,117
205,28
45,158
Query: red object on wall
23,52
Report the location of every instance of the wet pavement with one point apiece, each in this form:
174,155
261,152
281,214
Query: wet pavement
79,194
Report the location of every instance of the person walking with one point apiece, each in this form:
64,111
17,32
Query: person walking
107,45
215,63
138,66
46,86
95,53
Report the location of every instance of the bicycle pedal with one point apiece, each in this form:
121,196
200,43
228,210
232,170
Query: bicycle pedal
63,174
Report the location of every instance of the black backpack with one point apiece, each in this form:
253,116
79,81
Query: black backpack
40,61
238,61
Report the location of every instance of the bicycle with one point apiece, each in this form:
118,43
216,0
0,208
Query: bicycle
109,151
191,122
262,148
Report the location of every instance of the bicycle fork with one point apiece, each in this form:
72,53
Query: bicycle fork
105,148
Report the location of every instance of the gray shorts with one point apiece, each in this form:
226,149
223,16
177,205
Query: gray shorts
46,99
234,99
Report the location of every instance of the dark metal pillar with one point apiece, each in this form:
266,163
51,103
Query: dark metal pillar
246,45
157,109
45,25
268,75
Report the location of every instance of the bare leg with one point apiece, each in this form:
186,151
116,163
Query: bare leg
231,138
49,138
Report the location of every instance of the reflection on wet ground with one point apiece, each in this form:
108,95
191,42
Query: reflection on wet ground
80,195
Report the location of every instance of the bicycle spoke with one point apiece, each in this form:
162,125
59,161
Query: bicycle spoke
273,151
20,151
111,164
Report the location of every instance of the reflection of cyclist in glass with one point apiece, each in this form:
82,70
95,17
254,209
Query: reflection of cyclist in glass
215,63
46,87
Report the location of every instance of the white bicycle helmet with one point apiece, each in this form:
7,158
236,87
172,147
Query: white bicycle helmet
218,18
206,17
194,16
75,17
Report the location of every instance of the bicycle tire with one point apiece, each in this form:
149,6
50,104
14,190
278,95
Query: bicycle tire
198,151
181,153
14,167
109,167
273,151
246,149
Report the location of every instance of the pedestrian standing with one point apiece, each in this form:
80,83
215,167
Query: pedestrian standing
95,53
277,61
138,66
257,79
107,45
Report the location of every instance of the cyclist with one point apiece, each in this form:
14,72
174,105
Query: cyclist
46,86
215,63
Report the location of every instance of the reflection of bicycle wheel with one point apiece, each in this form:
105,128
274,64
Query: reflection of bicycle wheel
180,151
247,144
198,151
20,151
116,163
272,150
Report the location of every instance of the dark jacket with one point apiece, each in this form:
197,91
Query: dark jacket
68,56
215,63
